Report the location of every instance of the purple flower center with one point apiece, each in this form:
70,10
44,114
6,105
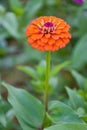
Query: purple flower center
48,24
79,1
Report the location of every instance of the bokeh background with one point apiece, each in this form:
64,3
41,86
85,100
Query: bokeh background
70,62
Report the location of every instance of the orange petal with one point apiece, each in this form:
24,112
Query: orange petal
59,42
40,43
41,48
35,44
65,35
46,19
66,40
30,40
39,36
36,36
28,31
44,39
66,28
69,35
48,47
51,41
57,22
62,45
47,35
54,48
54,36
61,25
57,31
31,31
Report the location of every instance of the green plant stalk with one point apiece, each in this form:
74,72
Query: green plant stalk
47,80
46,92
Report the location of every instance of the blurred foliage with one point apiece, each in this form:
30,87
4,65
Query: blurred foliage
39,73
30,111
14,51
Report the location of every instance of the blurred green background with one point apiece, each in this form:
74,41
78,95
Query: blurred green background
70,62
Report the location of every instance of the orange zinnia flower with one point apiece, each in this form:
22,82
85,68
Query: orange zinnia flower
48,33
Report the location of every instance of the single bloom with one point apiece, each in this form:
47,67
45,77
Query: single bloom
48,33
79,1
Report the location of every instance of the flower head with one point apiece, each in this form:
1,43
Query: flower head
79,1
48,33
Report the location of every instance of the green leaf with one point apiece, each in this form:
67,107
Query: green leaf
38,86
79,57
3,120
79,78
28,70
41,70
61,113
81,112
3,34
84,118
16,6
57,68
2,10
75,99
32,7
10,23
51,2
82,22
29,110
14,60
68,127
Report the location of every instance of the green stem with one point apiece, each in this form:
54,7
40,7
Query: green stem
46,92
47,80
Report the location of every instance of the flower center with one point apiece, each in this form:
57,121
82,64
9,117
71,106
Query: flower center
48,24
48,27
